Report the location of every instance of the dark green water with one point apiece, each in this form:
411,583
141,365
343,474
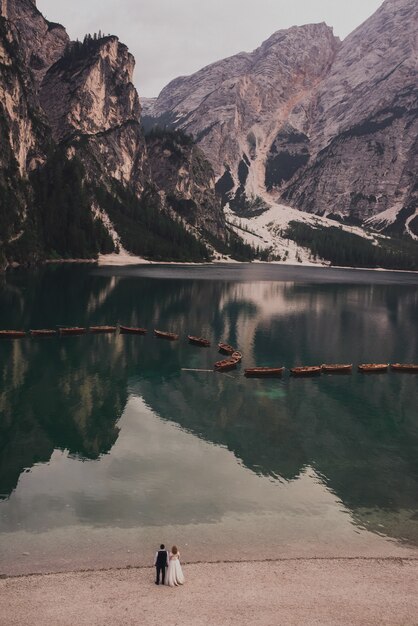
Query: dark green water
108,440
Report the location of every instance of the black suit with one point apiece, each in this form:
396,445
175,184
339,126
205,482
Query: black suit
161,563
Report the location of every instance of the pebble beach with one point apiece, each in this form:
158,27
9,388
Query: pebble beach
337,592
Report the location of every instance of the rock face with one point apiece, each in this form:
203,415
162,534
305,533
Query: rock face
237,107
365,127
72,148
147,105
180,169
327,127
90,102
90,90
18,107
43,42
23,136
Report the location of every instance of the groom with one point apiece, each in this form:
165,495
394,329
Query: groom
161,562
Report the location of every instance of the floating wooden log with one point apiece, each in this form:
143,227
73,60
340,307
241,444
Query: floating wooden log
12,334
162,334
310,370
263,372
373,367
199,341
102,329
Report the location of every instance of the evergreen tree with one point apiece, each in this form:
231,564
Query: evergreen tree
347,249
63,203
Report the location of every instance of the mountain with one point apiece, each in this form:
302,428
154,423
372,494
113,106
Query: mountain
75,173
324,126
92,105
364,133
180,169
24,137
301,132
235,108
42,42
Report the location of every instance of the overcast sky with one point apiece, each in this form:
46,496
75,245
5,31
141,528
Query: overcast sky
171,38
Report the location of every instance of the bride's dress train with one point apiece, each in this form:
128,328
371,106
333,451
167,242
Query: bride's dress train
174,573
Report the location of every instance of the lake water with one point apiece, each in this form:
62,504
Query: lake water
108,445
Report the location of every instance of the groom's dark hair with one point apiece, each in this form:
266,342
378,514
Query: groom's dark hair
162,546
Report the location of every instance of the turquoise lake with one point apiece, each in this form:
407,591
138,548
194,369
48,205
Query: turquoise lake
109,445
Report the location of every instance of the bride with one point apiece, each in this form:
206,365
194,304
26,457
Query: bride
174,572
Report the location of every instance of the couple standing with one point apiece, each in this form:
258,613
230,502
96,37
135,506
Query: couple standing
171,560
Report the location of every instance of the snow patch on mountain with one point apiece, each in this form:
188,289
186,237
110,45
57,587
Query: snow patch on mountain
386,217
268,232
407,225
328,127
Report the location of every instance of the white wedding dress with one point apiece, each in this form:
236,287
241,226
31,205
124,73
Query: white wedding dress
174,575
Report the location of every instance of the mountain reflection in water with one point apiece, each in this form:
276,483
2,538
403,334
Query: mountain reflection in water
359,434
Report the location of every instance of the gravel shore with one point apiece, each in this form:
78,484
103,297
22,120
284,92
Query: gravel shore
282,592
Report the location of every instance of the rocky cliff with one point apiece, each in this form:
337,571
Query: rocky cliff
180,169
23,139
364,131
92,105
73,150
325,126
237,107
42,42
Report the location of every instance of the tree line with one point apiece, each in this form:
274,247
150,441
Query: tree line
147,230
348,249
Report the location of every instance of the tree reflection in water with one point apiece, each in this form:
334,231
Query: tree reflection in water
360,434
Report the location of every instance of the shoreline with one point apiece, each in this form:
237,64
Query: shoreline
330,592
101,262
112,260
289,559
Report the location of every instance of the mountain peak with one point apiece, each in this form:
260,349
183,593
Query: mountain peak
236,106
43,42
307,117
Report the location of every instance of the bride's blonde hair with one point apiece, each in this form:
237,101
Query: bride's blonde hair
174,550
